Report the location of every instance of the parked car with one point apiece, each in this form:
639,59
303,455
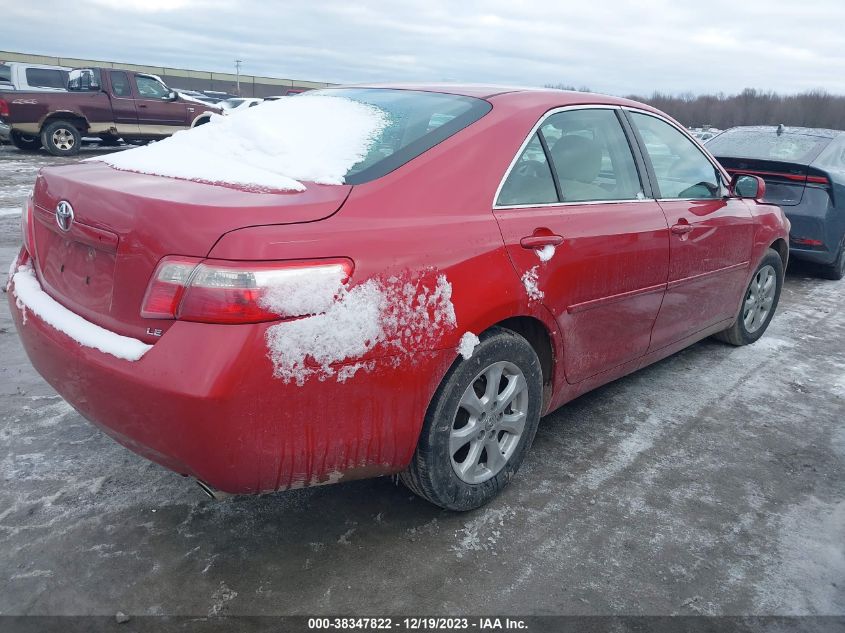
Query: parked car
239,103
418,316
804,170
33,77
109,104
198,96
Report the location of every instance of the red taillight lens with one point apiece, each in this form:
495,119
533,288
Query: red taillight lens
27,228
4,108
216,291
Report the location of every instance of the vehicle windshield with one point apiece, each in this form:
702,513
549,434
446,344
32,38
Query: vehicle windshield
790,147
417,121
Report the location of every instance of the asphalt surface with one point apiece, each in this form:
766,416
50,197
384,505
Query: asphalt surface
710,483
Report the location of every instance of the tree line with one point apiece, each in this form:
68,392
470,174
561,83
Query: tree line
814,108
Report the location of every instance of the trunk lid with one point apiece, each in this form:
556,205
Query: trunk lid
785,182
124,223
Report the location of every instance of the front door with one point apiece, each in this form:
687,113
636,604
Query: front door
711,234
156,114
585,239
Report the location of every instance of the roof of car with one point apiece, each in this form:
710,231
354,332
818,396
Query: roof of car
486,91
788,129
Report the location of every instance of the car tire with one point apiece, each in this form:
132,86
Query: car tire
61,138
758,303
451,467
836,270
24,142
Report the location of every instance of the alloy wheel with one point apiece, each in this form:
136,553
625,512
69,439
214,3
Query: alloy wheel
489,422
759,299
63,139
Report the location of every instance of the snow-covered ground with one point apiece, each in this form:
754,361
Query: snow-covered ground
710,483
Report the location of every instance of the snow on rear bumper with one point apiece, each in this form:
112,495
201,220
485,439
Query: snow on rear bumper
203,402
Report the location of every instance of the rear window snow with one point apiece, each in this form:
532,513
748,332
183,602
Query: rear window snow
331,136
273,146
30,296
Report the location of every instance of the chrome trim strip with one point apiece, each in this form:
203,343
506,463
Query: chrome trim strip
596,303
568,204
719,271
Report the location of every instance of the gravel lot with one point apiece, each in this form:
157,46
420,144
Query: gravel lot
710,483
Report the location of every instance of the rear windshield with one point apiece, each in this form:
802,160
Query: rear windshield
417,122
767,145
5,73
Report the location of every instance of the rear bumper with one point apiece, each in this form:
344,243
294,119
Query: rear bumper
4,131
203,402
817,228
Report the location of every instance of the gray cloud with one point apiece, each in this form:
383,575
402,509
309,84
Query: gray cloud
612,46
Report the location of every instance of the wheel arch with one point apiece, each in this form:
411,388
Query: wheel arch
539,337
201,119
78,120
782,249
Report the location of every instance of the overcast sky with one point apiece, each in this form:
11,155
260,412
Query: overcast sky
613,46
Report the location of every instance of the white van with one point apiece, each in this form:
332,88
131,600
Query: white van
32,77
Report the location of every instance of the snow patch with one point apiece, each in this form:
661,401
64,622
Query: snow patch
272,146
9,211
304,291
529,280
546,253
467,345
29,295
402,313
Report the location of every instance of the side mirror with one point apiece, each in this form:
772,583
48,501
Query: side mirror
171,96
748,186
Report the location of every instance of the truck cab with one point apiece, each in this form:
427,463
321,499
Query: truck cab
110,103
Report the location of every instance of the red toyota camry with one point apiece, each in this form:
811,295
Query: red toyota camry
373,280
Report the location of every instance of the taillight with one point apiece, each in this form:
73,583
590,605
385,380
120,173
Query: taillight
27,227
218,291
4,108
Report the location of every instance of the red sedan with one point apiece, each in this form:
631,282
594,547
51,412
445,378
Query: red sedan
408,300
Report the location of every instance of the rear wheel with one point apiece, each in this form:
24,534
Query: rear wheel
61,138
836,270
25,142
759,302
479,425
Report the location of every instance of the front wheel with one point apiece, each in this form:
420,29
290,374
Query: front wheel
759,302
61,138
479,425
24,142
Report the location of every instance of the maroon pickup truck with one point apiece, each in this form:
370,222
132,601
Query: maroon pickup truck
110,104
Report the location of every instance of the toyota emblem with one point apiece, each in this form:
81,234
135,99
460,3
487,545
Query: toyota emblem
64,215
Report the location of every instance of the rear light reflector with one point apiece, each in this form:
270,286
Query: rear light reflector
818,180
27,226
218,291
4,108
804,241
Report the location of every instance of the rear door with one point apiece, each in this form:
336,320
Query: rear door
585,237
711,233
156,114
123,103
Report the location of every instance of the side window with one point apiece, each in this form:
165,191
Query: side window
150,88
120,84
681,169
46,78
591,156
530,180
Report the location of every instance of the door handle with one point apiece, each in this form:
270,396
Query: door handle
682,228
142,105
539,241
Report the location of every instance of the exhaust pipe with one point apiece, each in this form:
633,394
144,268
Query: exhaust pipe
217,495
